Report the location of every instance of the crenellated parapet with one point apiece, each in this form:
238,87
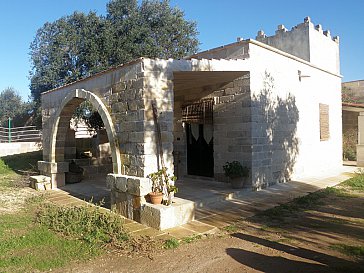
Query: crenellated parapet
306,41
283,31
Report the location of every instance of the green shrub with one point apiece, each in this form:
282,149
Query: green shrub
192,238
4,168
356,182
349,250
88,223
234,169
171,243
349,144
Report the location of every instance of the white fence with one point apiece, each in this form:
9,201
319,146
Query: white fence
20,134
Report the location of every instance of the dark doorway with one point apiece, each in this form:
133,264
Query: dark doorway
200,152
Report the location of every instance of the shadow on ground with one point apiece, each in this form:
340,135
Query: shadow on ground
308,260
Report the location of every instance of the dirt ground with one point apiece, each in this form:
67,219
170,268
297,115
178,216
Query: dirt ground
305,241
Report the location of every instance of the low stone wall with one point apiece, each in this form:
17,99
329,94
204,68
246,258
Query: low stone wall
161,217
128,198
18,148
127,194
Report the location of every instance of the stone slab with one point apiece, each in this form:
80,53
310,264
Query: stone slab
138,186
162,217
53,167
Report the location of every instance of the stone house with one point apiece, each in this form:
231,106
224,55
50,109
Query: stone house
272,103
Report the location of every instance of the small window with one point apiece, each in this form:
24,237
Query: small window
324,122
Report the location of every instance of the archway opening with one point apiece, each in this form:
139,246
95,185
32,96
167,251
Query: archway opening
91,153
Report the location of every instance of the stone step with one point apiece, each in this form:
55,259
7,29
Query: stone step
40,182
90,171
92,161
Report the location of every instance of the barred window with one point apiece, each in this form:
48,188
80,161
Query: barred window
200,112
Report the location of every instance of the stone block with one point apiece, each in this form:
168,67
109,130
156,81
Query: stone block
139,186
121,183
122,203
163,217
53,167
360,155
38,182
110,181
58,180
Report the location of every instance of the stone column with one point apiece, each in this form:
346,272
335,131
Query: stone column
128,194
55,170
360,146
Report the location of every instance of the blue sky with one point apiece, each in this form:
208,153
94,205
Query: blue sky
219,22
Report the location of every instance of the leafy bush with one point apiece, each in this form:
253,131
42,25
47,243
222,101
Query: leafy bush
235,169
349,144
4,168
88,223
171,243
356,182
349,250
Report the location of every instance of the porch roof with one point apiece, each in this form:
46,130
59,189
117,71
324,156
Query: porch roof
353,107
192,81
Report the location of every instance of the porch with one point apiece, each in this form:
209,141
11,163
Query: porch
232,206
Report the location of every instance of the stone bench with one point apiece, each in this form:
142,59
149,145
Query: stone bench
40,182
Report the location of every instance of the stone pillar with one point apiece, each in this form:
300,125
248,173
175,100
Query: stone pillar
55,170
360,146
128,194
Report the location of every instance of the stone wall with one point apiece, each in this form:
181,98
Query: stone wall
121,91
231,125
18,148
285,93
350,121
285,115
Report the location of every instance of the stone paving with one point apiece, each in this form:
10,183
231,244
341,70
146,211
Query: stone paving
217,205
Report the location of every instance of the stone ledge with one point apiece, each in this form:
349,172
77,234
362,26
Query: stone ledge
163,217
53,167
138,186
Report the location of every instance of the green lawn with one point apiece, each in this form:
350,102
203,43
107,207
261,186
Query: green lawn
26,246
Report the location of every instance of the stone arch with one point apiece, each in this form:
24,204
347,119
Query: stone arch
61,123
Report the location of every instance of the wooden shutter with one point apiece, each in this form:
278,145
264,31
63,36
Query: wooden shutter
324,122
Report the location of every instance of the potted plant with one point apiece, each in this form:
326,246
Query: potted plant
237,173
163,187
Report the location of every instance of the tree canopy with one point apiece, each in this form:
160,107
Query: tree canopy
79,45
12,106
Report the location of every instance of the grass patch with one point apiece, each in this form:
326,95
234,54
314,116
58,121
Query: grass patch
171,243
350,250
355,183
231,228
191,239
20,163
274,229
296,205
309,201
26,246
5,169
87,223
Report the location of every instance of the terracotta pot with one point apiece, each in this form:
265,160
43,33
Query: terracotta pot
156,197
237,182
